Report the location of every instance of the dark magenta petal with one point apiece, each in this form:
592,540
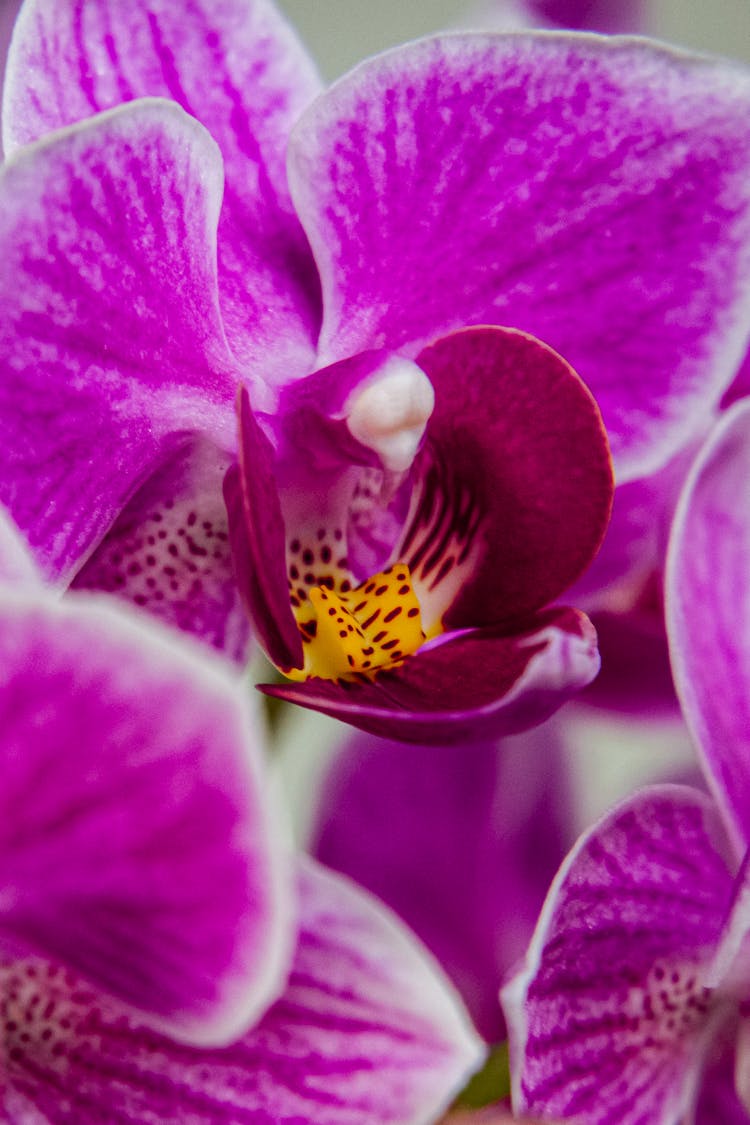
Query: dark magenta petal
467,845
708,611
610,1016
519,452
609,16
112,343
256,530
469,685
168,552
718,1102
239,69
590,191
366,1032
138,841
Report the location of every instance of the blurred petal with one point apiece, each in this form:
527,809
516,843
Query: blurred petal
169,552
708,611
718,1102
610,1016
467,685
138,843
516,432
591,192
610,16
468,841
111,338
367,1032
235,65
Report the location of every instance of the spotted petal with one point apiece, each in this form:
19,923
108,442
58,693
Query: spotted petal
138,843
708,611
367,1031
238,68
591,192
472,684
610,1016
111,340
168,551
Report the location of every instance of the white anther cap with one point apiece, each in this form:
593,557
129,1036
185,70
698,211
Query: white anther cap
390,411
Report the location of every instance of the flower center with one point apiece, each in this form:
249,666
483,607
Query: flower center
354,633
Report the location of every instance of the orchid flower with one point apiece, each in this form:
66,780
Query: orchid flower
633,999
147,913
591,193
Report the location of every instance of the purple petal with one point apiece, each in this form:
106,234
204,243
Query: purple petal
239,69
708,611
531,455
609,1017
169,552
257,535
636,676
591,192
718,1103
17,568
467,845
366,1033
111,336
138,843
609,16
468,685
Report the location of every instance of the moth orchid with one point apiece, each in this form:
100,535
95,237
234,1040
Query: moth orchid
588,193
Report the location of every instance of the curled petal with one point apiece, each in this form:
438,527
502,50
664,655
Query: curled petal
238,68
111,338
529,476
137,840
367,1031
256,530
473,684
610,1016
708,611
589,191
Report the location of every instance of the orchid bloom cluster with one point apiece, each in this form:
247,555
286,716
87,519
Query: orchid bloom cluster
351,374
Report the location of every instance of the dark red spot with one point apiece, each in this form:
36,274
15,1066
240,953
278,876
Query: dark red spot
389,644
371,619
380,591
379,636
413,612
393,614
342,633
308,557
325,553
293,572
294,546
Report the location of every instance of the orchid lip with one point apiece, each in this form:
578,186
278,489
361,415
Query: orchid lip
355,633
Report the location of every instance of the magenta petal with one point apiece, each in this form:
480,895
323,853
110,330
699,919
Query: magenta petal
256,529
609,1017
111,338
708,611
516,430
591,192
366,1033
467,845
468,685
169,552
138,843
236,66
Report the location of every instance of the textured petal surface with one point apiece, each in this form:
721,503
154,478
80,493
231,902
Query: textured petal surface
469,685
110,334
169,551
467,845
238,68
708,611
589,191
610,1016
366,1033
529,476
137,839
